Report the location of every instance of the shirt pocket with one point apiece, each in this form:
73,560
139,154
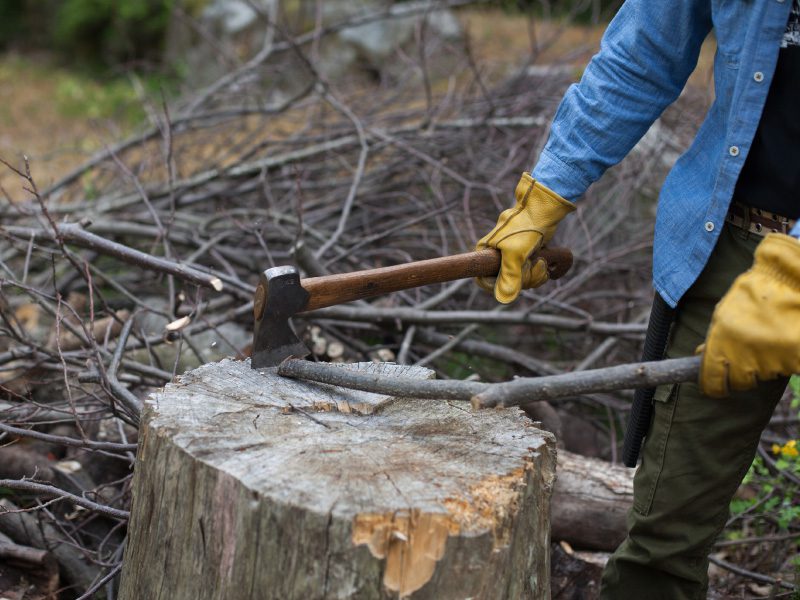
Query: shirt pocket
648,475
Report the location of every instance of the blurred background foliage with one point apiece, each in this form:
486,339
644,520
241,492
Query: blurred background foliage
94,33
102,35
111,30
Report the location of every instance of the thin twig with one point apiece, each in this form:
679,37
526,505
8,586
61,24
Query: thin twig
412,315
71,232
59,494
750,574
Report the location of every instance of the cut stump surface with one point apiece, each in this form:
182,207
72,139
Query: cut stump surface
249,485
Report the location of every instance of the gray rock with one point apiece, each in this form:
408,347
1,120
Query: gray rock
233,16
377,42
235,28
238,30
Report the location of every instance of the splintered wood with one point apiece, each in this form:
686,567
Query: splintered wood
249,485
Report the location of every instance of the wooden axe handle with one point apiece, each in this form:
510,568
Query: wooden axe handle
346,287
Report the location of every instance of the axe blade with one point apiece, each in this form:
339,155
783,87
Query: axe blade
279,296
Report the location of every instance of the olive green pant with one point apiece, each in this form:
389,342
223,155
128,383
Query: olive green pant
695,454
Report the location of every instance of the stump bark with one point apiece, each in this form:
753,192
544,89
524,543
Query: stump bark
249,485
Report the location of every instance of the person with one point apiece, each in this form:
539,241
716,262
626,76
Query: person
725,254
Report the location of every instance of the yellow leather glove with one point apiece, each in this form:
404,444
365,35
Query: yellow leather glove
519,232
755,330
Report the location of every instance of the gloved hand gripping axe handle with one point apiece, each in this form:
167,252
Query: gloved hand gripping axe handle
662,316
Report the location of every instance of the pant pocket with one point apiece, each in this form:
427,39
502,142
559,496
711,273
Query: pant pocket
645,483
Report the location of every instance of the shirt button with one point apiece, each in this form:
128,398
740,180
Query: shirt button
733,150
709,226
758,76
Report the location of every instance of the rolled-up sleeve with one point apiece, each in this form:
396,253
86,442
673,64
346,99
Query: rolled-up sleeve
646,55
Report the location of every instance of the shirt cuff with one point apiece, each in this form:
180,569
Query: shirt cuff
565,180
795,232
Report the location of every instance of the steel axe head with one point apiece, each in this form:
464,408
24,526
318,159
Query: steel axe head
279,296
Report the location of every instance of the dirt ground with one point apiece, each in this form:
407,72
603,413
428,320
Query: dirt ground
57,117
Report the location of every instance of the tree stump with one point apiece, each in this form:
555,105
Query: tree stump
249,485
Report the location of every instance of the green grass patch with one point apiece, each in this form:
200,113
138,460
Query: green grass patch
86,94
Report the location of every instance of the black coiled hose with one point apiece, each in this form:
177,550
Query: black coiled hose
655,345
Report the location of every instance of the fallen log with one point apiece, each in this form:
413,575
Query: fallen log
11,551
250,485
25,529
590,502
26,572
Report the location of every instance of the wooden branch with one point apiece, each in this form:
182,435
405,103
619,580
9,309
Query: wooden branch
11,551
112,573
427,317
41,489
609,379
18,412
27,572
64,440
357,177
512,393
126,397
74,233
750,574
398,387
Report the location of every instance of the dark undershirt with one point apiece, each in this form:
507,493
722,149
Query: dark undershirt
770,178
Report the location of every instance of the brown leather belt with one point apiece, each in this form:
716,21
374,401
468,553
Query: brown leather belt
758,221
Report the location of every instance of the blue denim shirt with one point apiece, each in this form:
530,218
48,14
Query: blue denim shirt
647,53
